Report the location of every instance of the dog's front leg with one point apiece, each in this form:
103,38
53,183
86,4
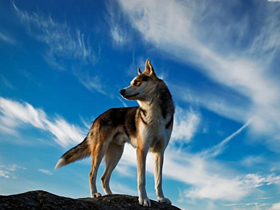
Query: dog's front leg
141,177
158,177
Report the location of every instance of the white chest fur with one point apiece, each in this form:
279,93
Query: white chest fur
152,127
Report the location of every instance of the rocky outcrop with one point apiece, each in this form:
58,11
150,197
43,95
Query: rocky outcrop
47,201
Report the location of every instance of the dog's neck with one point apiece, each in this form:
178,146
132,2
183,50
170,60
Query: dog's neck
160,106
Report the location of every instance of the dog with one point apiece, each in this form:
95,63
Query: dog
147,127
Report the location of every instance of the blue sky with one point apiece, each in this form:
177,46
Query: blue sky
63,63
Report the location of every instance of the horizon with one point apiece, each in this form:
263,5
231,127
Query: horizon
63,64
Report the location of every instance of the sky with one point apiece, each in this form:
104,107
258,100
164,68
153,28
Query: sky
62,64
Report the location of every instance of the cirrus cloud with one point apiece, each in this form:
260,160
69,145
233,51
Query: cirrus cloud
245,61
14,115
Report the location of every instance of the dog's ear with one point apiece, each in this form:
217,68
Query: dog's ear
139,71
149,70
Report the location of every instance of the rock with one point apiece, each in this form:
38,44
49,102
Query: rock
47,201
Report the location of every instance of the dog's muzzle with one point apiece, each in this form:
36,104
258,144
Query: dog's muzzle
122,92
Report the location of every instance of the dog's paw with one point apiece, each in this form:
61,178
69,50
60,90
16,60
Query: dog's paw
145,202
96,195
164,200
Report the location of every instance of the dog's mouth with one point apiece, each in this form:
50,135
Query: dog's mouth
136,94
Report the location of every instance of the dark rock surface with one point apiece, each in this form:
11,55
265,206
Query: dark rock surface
45,200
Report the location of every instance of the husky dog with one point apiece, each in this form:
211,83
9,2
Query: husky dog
147,127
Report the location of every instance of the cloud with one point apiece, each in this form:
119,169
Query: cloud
275,206
257,180
6,82
224,103
119,33
244,61
15,115
5,174
224,190
248,206
125,170
8,171
67,48
7,39
185,125
200,170
202,174
122,101
66,134
208,178
136,63
219,148
123,189
62,41
92,83
45,171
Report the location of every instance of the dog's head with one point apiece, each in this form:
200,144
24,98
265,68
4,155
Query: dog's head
142,85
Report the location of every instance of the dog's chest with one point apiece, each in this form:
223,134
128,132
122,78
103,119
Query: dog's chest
154,128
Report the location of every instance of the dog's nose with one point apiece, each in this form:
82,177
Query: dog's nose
122,91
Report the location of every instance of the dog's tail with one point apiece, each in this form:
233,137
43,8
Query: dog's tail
76,153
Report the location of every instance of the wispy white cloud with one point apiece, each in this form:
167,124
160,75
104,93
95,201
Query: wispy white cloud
184,31
86,122
210,184
123,103
275,206
62,41
234,107
8,171
65,133
200,170
123,189
137,62
219,148
120,35
45,171
256,180
92,83
6,82
186,123
248,206
5,174
125,170
67,48
8,39
203,175
250,161
206,174
14,115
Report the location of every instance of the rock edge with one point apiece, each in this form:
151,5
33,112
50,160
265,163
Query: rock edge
44,200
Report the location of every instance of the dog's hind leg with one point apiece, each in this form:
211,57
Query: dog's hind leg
97,155
112,157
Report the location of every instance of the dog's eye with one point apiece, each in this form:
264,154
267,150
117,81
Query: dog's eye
136,83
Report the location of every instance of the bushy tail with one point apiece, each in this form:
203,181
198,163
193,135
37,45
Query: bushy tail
76,153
